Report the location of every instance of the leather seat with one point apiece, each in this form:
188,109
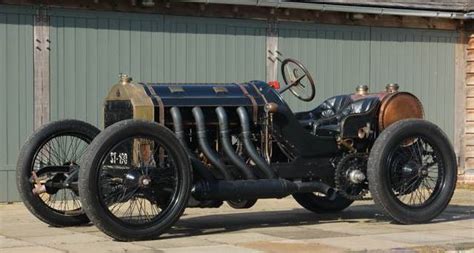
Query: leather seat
326,119
326,109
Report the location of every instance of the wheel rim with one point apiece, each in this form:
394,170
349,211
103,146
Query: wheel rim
138,181
62,151
416,172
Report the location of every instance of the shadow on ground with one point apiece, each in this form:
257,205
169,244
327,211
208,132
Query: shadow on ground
231,222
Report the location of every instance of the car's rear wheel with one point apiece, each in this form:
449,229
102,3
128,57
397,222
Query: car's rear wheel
317,203
46,160
412,171
136,180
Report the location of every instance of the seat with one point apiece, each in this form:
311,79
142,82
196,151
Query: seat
326,109
326,119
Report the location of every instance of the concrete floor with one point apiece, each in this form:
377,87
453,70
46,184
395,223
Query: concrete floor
270,226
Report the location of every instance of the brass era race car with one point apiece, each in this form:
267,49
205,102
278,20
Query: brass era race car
168,146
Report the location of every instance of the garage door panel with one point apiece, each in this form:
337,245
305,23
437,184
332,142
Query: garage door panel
336,56
89,50
421,62
341,57
16,92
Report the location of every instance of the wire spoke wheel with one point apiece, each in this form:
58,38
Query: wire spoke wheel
136,180
56,159
47,171
412,171
137,186
416,172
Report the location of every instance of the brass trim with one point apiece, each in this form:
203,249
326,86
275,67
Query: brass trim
143,107
252,100
221,89
161,106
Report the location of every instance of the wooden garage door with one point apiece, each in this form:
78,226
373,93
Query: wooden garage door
342,57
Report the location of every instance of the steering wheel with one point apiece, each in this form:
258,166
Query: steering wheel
295,76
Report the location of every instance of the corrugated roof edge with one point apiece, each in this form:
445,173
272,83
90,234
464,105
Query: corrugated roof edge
439,5
342,8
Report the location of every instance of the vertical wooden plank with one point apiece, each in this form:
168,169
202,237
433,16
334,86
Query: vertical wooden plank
211,57
12,80
234,57
180,66
202,55
4,186
191,50
272,51
12,191
220,53
3,96
70,81
146,50
460,96
92,98
80,73
113,47
41,67
135,48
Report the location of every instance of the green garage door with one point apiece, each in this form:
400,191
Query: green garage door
90,49
16,92
342,57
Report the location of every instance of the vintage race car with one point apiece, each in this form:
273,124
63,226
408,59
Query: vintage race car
168,146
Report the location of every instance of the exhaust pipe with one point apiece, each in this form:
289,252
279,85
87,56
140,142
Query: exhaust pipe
204,145
196,163
255,189
250,148
227,145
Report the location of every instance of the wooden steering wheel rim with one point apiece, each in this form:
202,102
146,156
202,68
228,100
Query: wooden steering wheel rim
307,75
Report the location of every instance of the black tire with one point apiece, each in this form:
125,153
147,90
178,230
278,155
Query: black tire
321,204
389,190
26,160
241,204
94,203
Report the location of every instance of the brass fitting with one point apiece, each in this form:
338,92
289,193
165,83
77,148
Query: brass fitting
392,87
125,79
362,90
271,107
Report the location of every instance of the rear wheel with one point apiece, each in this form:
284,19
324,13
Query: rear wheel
412,171
48,159
136,180
320,203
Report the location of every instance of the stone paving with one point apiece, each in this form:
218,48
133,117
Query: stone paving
270,226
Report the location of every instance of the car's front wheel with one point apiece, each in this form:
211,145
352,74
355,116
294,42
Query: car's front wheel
136,180
47,167
412,171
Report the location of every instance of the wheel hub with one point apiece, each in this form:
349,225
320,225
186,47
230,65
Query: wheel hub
144,181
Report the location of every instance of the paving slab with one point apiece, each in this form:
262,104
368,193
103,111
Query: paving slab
212,249
10,242
240,237
292,246
166,242
270,226
30,249
105,247
363,243
424,238
72,238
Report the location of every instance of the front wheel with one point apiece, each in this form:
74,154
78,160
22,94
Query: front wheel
412,171
136,180
47,168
